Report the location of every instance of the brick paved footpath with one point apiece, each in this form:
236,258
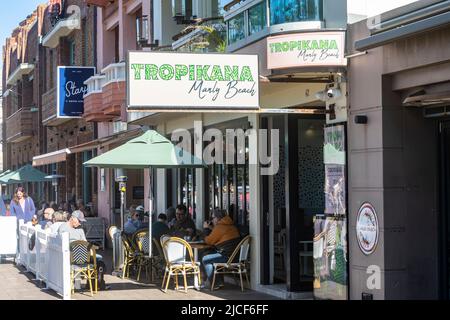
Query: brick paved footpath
17,284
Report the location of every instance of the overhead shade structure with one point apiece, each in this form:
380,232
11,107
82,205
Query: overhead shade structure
23,175
4,173
150,150
4,178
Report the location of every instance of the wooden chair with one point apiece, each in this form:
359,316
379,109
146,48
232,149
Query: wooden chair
83,261
230,267
175,250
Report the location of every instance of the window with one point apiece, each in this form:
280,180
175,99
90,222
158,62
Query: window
72,53
257,18
284,11
236,28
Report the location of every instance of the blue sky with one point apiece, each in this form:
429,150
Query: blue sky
12,14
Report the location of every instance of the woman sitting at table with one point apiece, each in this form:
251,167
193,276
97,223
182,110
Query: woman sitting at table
224,237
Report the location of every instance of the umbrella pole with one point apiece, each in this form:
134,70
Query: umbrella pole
150,211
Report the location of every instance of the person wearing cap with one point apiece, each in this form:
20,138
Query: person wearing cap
76,233
73,227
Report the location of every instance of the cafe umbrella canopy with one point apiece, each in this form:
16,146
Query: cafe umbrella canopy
25,174
150,150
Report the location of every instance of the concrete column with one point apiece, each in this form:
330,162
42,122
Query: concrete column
255,208
161,186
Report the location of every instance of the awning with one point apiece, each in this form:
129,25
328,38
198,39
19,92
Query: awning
61,155
52,157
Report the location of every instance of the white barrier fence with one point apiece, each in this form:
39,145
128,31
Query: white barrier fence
8,235
48,259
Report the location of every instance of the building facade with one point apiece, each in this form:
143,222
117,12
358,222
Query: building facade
398,155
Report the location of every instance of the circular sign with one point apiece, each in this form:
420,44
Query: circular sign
367,229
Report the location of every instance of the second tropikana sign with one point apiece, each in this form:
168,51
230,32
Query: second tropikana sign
160,80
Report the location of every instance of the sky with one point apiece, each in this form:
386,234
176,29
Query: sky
374,7
11,15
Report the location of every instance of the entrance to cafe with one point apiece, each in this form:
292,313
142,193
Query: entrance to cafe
444,130
290,201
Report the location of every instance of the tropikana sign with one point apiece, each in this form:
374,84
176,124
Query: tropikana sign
306,49
162,80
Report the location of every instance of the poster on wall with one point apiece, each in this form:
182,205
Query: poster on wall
71,90
330,251
330,258
168,81
335,170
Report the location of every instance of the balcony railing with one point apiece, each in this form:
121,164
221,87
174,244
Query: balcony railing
20,126
93,100
114,89
62,29
49,112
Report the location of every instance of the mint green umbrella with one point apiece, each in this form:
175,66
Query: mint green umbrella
4,176
23,175
151,150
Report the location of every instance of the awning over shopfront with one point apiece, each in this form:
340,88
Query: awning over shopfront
61,155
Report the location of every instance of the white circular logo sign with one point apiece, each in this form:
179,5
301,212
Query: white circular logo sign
367,229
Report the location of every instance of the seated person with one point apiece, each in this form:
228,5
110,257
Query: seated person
160,227
184,225
76,233
224,236
47,218
57,220
171,217
133,224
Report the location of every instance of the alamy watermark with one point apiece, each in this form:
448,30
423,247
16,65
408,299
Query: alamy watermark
374,279
235,147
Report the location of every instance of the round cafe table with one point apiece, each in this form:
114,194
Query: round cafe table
198,245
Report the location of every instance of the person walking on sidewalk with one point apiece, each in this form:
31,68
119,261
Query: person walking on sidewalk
22,206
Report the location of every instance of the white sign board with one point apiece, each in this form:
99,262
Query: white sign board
165,80
367,229
306,49
8,235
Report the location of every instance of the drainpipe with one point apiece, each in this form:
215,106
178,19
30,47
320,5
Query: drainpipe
95,59
151,23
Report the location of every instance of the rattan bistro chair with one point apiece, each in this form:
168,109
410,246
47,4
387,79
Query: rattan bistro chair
175,250
83,262
141,239
230,267
129,257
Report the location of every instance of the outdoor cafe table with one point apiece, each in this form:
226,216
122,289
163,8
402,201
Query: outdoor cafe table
196,246
199,245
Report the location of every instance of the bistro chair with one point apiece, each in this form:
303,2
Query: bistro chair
175,250
141,239
130,258
158,260
230,267
83,262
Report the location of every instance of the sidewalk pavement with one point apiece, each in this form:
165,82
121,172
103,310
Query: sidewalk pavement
17,284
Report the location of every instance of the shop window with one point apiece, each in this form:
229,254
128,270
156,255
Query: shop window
285,11
257,18
236,28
